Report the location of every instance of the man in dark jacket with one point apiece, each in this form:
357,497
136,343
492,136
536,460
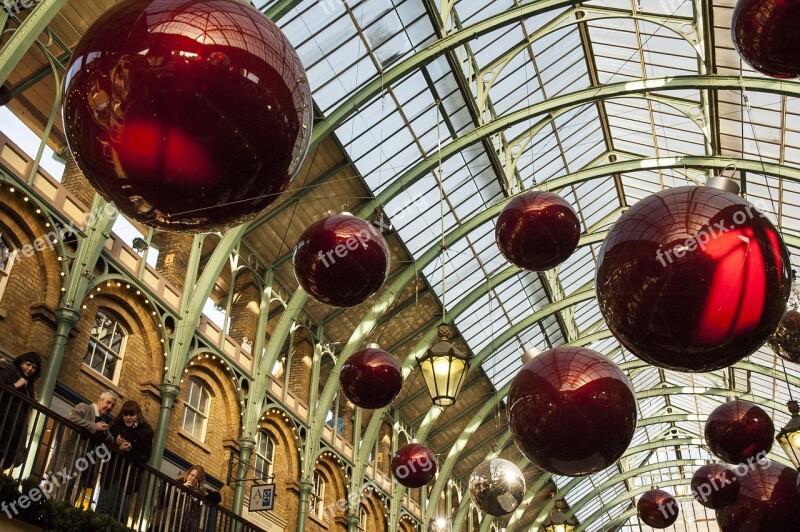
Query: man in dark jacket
19,376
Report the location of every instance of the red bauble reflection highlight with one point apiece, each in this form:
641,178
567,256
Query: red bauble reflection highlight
188,116
341,260
715,486
537,231
767,502
693,279
657,508
413,465
739,432
764,33
562,395
371,378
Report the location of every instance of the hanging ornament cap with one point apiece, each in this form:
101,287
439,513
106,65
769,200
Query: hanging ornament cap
529,354
414,440
373,345
723,183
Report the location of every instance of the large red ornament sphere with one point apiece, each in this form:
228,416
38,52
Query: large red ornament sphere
188,116
371,378
739,432
559,398
767,502
413,465
715,486
537,230
657,508
341,260
693,279
765,34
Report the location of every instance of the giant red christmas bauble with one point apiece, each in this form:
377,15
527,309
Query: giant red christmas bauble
371,378
537,230
657,508
189,116
562,396
715,485
739,432
693,279
767,502
413,465
341,260
765,34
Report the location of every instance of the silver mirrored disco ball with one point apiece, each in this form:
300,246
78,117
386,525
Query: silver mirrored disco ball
496,487
785,341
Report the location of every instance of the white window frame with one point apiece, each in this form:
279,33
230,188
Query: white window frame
265,455
97,348
362,518
317,498
193,409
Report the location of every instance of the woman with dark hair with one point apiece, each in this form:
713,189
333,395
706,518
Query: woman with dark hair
133,437
18,376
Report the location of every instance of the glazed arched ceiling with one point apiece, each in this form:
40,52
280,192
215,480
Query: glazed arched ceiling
604,102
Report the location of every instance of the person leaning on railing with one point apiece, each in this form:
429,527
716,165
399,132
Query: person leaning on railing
121,477
19,376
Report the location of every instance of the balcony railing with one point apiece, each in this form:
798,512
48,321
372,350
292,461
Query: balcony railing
66,464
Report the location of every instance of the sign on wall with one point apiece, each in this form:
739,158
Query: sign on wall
262,498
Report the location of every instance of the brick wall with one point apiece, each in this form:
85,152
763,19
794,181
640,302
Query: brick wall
75,182
173,256
27,320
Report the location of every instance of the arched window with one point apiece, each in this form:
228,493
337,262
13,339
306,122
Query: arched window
362,518
265,455
318,496
7,256
196,407
106,346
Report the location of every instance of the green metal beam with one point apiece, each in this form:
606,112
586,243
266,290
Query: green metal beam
26,34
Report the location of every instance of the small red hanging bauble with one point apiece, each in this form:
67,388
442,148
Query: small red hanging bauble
371,378
537,230
715,486
693,279
739,432
413,465
341,260
785,341
657,508
564,394
767,502
188,116
765,34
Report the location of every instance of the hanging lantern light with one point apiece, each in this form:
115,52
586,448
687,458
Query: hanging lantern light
444,368
496,487
537,230
739,432
693,278
789,436
557,520
181,119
